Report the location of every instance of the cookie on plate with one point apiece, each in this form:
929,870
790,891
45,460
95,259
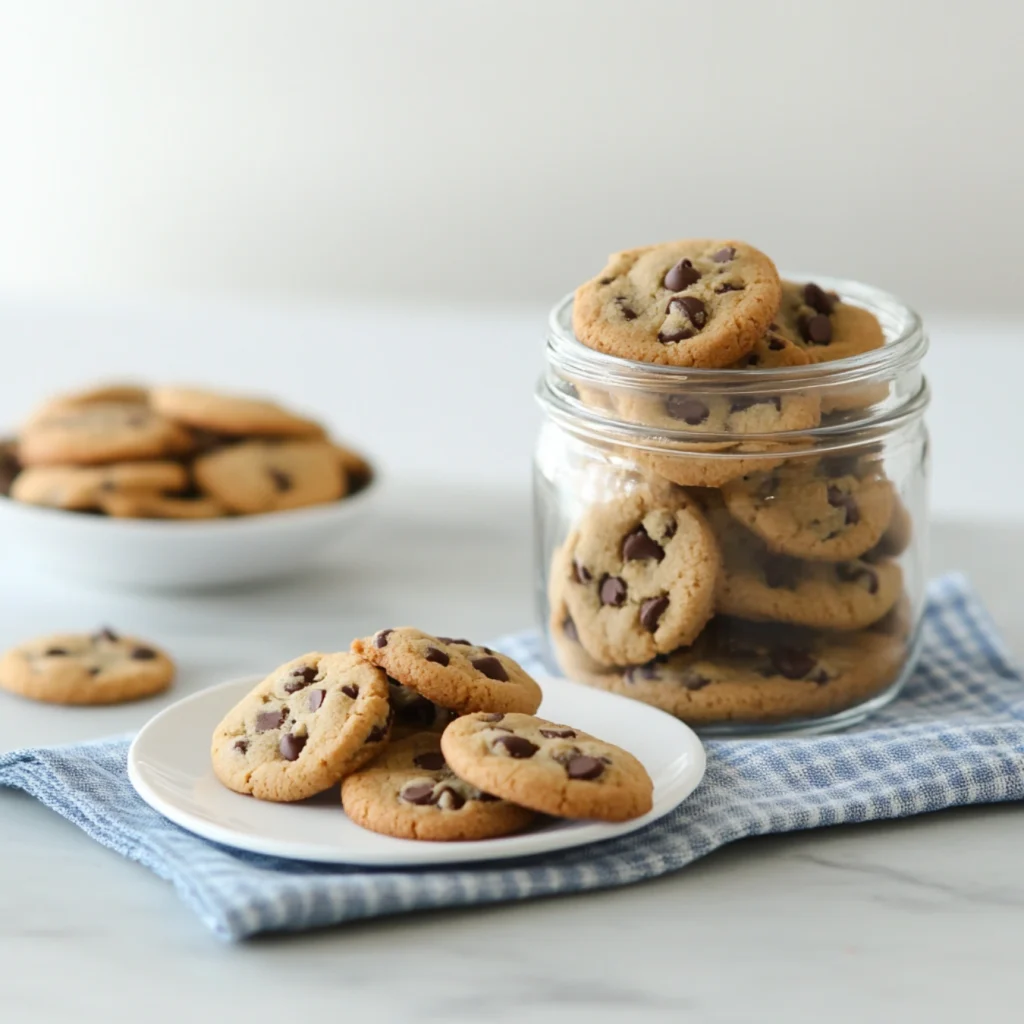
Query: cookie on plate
236,415
410,792
550,768
78,668
308,724
695,302
830,509
414,713
638,576
101,432
263,476
150,505
456,674
85,487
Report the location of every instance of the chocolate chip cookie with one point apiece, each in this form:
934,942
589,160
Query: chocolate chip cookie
453,673
638,577
236,415
830,509
303,728
76,668
824,326
266,476
149,505
550,768
86,487
695,302
411,793
133,394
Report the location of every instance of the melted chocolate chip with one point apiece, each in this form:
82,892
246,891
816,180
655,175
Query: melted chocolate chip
449,799
421,793
381,639
580,572
584,768
816,329
241,746
818,299
681,276
840,499
627,312
852,572
350,690
728,286
291,746
558,734
570,630
637,545
612,590
693,680
518,747
282,481
431,761
267,720
691,411
668,337
316,699
302,676
143,654
693,309
725,255
792,662
651,612
491,667
432,654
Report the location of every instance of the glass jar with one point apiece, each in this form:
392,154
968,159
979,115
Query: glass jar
743,547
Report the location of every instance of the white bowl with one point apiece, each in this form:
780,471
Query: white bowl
172,554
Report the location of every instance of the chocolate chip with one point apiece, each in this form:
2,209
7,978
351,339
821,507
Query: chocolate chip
376,734
692,680
570,630
491,667
693,309
241,746
840,499
637,545
580,572
518,747
612,590
728,286
350,690
852,572
106,634
494,716
686,408
651,612
792,662
267,720
291,746
681,276
282,481
816,329
670,530
780,571
626,311
421,793
316,698
449,640
776,344
584,768
753,359
558,734
301,678
449,799
381,639
668,337
437,657
819,299
431,761
725,255
55,652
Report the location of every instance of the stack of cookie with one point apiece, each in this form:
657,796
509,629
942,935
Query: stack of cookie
725,581
432,738
174,453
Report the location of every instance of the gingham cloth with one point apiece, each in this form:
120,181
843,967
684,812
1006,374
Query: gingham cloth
955,736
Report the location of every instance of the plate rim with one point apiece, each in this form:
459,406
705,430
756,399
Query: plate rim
396,852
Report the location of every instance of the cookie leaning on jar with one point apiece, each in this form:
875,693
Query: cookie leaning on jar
785,447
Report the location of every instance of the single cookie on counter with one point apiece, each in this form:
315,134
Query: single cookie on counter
101,432
231,414
638,576
550,768
86,487
761,672
455,674
77,668
410,792
264,476
829,509
695,302
303,728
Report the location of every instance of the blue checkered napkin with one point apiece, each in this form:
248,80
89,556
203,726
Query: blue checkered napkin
955,736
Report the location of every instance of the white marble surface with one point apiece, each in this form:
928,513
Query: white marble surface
914,920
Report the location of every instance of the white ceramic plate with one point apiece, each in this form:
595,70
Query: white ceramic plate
169,766
165,554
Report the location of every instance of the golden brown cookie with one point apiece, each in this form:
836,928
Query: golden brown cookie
236,415
824,326
87,487
149,505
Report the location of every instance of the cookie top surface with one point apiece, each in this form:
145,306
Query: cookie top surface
824,326
85,487
78,668
264,476
695,302
551,768
451,672
410,792
101,432
133,394
304,727
231,414
832,509
638,576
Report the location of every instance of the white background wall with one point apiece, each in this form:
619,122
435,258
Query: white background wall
492,150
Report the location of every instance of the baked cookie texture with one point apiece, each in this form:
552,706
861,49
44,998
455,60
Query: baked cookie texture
231,414
695,302
77,668
410,792
87,487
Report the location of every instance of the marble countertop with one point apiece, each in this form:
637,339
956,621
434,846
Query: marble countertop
908,920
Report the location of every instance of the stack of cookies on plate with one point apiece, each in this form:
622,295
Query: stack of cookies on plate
723,580
175,453
431,738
